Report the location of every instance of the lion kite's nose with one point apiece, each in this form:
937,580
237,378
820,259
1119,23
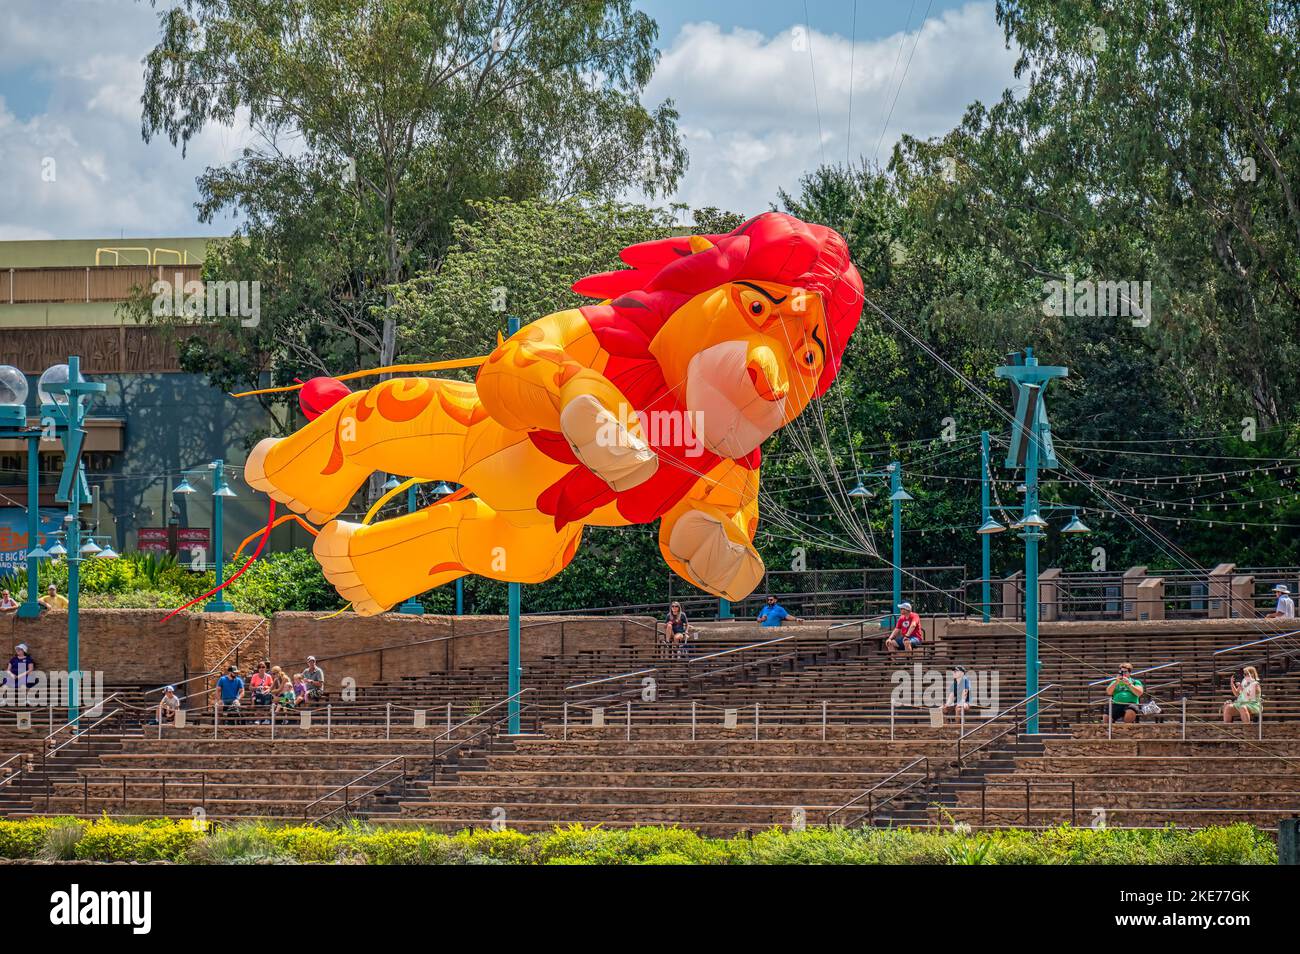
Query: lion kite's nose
765,371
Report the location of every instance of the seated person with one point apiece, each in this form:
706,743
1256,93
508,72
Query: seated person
906,633
167,706
285,697
958,691
20,668
1125,692
52,600
260,683
774,614
315,677
1285,608
677,628
231,688
1246,695
7,603
299,689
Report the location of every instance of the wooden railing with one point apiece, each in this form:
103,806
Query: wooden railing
102,283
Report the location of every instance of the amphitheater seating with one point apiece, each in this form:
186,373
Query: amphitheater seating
814,729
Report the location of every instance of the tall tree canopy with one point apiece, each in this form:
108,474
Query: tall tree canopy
380,121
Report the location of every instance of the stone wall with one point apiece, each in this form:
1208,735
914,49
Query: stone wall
135,647
390,646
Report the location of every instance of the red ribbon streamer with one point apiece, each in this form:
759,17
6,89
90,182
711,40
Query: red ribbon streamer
266,533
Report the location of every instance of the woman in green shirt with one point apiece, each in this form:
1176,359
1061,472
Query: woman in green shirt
1125,695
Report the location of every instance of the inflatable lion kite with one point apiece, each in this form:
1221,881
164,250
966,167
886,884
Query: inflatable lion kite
651,404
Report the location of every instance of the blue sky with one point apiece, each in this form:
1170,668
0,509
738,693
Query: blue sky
763,99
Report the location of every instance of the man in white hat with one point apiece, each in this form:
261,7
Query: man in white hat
1285,605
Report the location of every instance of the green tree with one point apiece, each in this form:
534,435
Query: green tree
380,121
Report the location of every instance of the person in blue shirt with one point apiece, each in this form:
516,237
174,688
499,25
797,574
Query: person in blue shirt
231,687
774,614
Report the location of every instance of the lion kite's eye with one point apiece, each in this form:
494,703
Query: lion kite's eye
755,303
809,358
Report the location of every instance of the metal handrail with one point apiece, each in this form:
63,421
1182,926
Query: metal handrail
1138,672
987,722
217,667
306,812
1001,735
478,715
622,675
748,646
885,781
1256,642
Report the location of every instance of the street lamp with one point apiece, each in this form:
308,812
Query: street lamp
1030,448
63,393
893,472
412,607
220,492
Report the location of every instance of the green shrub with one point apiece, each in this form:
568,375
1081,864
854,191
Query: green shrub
355,842
155,840
25,838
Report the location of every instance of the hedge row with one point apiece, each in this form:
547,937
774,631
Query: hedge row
181,841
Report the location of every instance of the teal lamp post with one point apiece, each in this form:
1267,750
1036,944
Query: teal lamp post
220,492
893,472
63,394
516,670
443,489
1031,448
13,426
412,607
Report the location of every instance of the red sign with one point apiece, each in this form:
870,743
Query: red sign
191,538
152,540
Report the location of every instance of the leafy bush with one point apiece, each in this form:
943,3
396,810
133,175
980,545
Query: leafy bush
25,838
154,840
358,843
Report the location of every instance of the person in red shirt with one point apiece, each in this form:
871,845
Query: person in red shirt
906,633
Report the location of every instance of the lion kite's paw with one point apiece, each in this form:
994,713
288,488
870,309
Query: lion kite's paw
607,446
332,551
255,476
712,559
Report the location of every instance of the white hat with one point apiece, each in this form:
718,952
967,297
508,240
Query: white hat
905,605
22,646
1281,588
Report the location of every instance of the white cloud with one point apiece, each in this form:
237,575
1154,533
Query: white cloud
106,180
750,111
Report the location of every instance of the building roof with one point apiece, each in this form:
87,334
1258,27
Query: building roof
63,253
